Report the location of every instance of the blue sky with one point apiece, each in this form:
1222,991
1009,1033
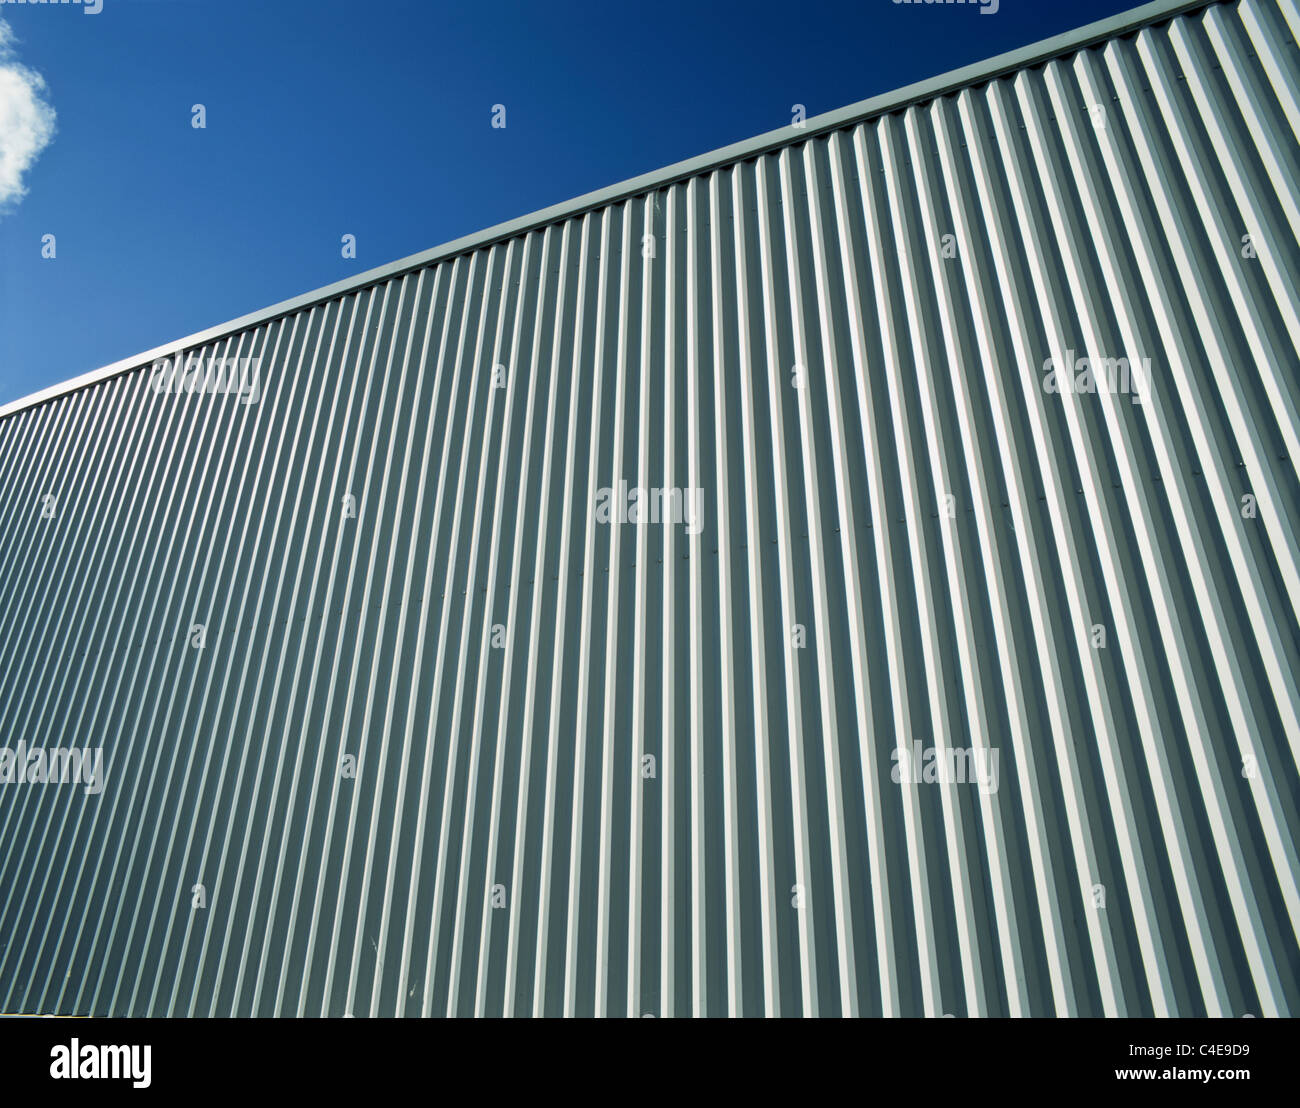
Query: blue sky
327,118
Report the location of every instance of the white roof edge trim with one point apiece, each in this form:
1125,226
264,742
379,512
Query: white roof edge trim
1032,54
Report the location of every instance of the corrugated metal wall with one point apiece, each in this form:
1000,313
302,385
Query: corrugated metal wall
623,768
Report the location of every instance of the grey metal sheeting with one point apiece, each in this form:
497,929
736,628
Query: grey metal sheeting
626,769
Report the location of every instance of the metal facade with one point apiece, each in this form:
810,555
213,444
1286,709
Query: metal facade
625,768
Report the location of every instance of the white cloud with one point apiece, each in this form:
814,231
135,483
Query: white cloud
26,120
